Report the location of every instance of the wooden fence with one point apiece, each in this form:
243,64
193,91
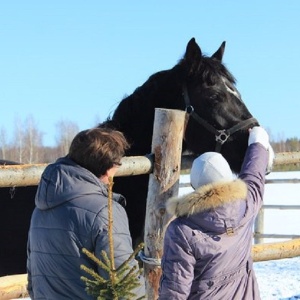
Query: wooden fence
26,175
259,234
30,174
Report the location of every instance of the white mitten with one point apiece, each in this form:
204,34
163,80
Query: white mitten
259,135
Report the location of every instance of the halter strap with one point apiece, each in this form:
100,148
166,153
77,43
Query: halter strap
222,135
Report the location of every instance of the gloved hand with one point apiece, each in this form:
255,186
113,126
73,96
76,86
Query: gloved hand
259,135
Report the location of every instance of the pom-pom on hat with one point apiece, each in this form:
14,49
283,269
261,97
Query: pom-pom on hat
208,168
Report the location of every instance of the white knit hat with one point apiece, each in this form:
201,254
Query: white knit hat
208,168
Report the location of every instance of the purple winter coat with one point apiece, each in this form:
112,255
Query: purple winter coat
207,248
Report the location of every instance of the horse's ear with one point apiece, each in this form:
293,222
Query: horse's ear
220,52
193,52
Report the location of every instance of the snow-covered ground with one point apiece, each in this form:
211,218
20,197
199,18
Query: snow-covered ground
277,279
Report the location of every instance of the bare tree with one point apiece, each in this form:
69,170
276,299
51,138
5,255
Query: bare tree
66,131
3,142
18,144
33,139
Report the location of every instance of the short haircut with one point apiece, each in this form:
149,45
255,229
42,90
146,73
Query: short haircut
98,149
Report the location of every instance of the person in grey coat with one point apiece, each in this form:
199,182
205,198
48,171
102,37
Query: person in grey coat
72,213
207,248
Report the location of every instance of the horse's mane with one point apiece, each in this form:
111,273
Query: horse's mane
158,91
207,70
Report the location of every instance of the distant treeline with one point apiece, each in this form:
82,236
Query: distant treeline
288,145
40,154
27,146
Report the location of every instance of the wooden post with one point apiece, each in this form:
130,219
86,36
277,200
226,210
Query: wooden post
163,184
259,227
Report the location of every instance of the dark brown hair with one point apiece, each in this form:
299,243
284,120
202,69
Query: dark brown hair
98,149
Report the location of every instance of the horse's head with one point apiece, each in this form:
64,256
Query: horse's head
218,118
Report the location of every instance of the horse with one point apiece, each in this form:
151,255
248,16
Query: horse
16,207
218,120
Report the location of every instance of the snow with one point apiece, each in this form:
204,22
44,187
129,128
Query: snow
277,279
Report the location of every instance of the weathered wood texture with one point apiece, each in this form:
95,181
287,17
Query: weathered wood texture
27,175
163,184
271,251
13,286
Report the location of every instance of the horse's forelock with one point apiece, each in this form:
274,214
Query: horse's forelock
209,71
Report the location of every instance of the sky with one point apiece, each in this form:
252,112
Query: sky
74,61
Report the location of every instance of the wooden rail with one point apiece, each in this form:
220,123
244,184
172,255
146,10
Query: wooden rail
259,234
281,158
27,175
272,251
13,287
30,174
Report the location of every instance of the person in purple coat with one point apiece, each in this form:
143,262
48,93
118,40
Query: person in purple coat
207,247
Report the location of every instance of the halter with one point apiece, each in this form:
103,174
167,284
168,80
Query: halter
221,136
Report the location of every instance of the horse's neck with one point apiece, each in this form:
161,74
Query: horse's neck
135,116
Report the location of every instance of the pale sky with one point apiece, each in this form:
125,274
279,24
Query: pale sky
75,60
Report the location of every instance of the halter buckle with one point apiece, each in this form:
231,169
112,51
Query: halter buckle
189,109
222,137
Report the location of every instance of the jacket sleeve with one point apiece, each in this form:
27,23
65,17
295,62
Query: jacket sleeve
122,242
177,265
253,174
29,281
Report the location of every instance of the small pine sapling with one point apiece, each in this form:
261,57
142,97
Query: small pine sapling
121,281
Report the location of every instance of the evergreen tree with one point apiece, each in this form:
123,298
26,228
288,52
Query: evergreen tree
121,281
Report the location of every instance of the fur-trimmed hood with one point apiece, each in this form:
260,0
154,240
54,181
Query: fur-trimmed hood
207,197
214,206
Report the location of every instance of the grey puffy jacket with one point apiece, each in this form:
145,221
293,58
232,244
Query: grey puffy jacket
71,213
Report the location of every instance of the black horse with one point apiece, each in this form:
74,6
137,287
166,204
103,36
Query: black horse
16,206
218,120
